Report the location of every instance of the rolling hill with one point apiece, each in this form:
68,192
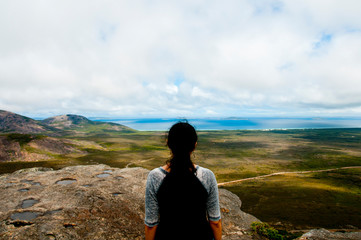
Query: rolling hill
26,139
74,124
15,123
63,125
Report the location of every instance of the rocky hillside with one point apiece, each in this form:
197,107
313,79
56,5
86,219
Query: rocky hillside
82,126
11,122
27,147
66,121
73,125
26,139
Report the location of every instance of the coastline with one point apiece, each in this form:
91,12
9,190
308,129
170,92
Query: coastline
215,124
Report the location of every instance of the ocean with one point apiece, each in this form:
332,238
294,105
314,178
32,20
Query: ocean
163,124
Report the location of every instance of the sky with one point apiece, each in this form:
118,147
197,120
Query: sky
189,58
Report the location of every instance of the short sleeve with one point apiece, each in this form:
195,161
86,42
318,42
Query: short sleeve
213,209
151,203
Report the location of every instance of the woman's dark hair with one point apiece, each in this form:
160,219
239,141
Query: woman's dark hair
182,139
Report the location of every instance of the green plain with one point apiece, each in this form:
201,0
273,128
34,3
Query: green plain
294,201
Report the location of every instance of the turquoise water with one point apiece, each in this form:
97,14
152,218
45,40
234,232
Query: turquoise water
163,124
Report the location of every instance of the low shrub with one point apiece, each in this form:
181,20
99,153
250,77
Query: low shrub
265,230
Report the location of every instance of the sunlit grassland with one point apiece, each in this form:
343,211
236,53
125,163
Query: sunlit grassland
327,199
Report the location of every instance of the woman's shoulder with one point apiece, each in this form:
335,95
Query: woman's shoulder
205,174
207,178
157,173
204,170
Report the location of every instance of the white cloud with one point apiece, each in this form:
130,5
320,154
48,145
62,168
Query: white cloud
235,57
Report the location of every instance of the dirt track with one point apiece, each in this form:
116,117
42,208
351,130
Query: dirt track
281,173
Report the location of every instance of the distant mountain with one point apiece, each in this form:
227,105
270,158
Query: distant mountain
82,125
26,139
66,121
63,125
12,122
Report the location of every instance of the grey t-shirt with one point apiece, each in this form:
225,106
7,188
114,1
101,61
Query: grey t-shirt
154,180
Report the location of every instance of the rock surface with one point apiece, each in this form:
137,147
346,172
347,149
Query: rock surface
236,223
323,234
89,202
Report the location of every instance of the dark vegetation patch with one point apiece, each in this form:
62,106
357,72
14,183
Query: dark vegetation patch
9,167
271,233
23,139
229,145
208,147
111,158
305,152
307,157
350,138
347,178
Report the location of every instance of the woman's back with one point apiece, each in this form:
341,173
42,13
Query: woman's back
182,199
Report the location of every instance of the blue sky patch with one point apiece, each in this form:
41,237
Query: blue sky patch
177,79
277,6
325,38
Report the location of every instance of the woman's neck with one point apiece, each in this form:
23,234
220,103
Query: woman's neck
167,167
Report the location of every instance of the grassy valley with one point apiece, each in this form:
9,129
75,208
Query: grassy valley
329,199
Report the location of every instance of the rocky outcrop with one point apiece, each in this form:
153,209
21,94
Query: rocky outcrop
89,202
63,125
236,223
323,234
